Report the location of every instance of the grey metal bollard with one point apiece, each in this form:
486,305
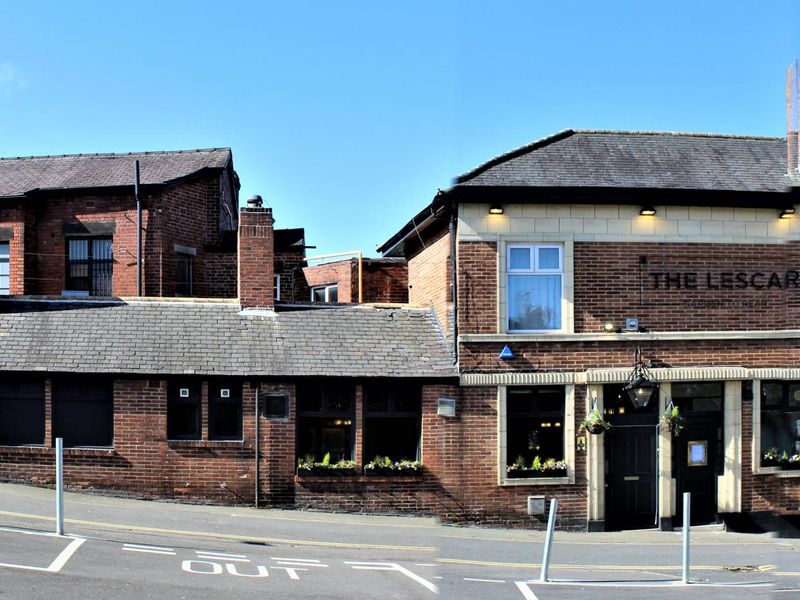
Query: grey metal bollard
59,486
548,540
687,519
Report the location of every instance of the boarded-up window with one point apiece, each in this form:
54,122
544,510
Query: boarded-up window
21,411
83,411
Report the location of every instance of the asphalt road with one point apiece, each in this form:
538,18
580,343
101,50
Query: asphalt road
118,548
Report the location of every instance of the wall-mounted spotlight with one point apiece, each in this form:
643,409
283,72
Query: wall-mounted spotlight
495,209
647,211
787,213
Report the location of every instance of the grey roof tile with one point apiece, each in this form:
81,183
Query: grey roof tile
630,159
217,338
25,174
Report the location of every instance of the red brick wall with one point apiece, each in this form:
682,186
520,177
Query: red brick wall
220,271
256,252
14,219
339,272
430,281
289,265
477,287
382,281
608,286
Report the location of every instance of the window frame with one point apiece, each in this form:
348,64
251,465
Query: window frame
393,392
276,286
323,414
91,262
532,271
184,289
783,408
105,402
5,259
569,433
193,399
216,401
33,402
327,292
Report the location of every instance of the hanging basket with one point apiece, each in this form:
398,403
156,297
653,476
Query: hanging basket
595,428
594,422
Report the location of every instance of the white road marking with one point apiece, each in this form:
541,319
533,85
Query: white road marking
302,560
147,551
262,571
484,580
219,554
225,559
379,566
292,571
300,564
65,555
527,592
216,568
149,547
425,565
59,561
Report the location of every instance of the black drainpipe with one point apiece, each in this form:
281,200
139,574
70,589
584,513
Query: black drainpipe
138,234
454,274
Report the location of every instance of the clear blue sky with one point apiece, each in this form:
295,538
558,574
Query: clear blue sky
347,116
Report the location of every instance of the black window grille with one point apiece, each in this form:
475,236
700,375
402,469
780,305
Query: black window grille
90,264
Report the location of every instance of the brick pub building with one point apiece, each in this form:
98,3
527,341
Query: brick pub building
531,283
550,265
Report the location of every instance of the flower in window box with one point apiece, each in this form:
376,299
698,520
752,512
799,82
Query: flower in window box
771,458
383,465
550,467
307,466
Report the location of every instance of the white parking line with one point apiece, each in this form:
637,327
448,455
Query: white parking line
484,580
148,551
145,547
379,566
225,559
300,564
59,561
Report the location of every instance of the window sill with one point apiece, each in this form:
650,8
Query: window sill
506,482
777,472
205,443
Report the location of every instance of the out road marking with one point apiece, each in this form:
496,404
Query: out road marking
380,566
222,536
59,561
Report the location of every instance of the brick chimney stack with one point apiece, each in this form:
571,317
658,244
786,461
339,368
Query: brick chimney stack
256,256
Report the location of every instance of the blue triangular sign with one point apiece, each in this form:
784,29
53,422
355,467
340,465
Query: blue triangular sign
506,353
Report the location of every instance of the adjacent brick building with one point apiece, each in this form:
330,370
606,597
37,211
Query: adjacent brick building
378,281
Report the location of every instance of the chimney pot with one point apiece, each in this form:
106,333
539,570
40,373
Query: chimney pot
255,201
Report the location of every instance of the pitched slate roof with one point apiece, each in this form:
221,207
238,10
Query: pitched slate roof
217,338
631,159
19,176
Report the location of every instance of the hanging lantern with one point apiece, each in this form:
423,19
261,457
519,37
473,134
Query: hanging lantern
640,385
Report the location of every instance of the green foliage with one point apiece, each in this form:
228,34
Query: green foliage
326,460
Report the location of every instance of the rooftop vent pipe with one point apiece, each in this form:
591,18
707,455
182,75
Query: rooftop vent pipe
255,201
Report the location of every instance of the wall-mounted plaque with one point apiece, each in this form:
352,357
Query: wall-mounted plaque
697,454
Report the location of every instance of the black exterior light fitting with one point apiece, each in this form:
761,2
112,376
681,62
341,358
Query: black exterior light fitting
496,209
640,384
